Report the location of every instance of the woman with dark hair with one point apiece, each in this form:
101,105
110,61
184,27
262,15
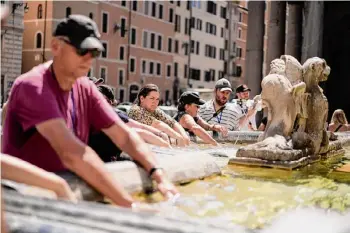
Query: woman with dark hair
146,111
188,118
104,146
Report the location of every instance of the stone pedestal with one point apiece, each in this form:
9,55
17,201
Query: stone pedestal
255,46
276,31
294,29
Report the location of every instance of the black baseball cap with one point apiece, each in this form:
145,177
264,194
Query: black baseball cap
242,88
223,85
81,31
107,91
190,97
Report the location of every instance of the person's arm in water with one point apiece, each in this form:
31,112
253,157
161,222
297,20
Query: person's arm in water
20,171
134,124
151,138
215,127
179,129
188,122
166,129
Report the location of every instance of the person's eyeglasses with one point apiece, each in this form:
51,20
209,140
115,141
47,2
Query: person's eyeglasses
82,52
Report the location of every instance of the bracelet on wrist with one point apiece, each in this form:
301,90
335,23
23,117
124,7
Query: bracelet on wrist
154,169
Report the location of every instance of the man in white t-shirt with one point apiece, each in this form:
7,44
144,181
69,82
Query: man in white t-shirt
246,107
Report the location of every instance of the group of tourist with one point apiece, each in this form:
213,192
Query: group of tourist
57,119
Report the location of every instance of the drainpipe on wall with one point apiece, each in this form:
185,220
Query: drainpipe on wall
44,39
129,41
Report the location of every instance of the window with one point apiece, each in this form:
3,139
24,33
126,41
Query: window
104,53
103,73
207,76
222,54
172,2
153,38
176,69
146,7
122,27
210,28
121,53
160,13
132,65
221,74
154,6
197,47
185,71
170,42
160,42
187,26
199,24
195,74
121,95
239,33
240,17
68,11
239,52
222,33
211,7
145,39
38,40
188,4
104,22
134,5
133,36
144,67
168,70
123,3
210,51
91,16
192,46
121,77
171,15
40,11
159,69
151,67
178,3
192,22
177,23
238,71
223,12
176,47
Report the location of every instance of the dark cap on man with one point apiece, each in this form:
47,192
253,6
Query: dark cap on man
81,31
190,97
96,80
242,88
223,85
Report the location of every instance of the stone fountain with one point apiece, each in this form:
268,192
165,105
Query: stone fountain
295,133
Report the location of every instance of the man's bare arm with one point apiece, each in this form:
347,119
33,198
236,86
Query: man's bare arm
82,160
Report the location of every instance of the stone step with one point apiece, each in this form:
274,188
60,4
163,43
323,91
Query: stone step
34,214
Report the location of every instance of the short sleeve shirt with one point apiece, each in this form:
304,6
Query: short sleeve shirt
36,98
146,117
228,118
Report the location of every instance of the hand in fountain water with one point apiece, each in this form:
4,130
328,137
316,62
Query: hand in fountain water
143,207
220,129
164,186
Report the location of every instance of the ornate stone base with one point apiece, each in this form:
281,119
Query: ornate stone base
285,159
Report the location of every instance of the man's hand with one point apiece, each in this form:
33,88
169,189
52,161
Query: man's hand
163,184
221,129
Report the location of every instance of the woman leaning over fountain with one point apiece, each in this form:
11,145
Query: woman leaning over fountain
188,118
146,111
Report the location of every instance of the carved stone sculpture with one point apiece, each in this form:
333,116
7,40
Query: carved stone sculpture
297,111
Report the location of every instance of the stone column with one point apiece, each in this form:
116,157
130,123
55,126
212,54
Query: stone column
276,32
294,29
312,30
255,46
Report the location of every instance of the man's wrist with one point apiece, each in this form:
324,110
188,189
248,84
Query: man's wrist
157,174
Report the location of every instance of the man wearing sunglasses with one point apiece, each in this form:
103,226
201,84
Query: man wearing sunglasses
53,107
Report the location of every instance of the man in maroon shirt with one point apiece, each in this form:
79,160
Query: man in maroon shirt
53,107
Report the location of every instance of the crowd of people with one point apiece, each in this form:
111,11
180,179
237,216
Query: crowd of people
57,119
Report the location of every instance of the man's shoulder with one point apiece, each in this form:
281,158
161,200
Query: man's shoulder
208,104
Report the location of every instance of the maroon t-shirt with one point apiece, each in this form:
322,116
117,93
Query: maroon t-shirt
35,98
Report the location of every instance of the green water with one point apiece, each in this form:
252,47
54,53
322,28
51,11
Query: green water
253,196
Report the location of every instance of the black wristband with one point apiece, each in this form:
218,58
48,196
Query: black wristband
153,169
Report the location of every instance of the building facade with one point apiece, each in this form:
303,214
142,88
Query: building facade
173,44
11,46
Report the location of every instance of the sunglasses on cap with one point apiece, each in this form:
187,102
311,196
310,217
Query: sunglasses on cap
82,52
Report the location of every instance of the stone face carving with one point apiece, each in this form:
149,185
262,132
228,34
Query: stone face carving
297,111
